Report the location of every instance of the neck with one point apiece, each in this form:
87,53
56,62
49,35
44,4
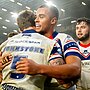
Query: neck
50,32
29,28
85,42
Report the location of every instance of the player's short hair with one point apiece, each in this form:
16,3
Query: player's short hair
53,9
83,19
26,19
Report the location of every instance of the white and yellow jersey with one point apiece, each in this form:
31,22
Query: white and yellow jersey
32,46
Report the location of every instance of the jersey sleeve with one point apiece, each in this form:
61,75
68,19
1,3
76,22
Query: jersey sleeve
70,47
56,52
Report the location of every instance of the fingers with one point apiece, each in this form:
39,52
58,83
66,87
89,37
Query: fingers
9,57
26,66
4,65
0,64
22,66
0,57
22,69
6,57
22,61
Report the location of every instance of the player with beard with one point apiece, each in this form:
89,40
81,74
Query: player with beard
83,35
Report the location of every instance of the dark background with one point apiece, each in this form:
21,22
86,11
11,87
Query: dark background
73,10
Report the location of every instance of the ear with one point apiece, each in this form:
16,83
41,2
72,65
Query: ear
54,20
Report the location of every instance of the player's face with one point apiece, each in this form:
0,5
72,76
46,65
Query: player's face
82,31
43,21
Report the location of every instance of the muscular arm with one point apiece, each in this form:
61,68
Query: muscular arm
66,71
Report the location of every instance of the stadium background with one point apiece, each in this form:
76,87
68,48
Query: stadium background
69,11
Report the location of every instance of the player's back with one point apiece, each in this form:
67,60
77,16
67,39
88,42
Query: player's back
32,46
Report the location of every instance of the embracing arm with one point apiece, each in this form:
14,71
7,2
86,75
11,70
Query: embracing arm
69,70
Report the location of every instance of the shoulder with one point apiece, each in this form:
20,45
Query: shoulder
61,34
44,38
64,38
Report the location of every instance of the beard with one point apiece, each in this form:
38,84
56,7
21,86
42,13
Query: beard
84,38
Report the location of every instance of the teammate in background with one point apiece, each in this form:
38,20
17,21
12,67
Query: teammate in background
11,34
27,44
46,19
83,35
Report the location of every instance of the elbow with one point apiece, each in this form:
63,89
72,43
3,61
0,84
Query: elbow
76,72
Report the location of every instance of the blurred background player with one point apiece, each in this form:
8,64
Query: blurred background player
11,34
83,36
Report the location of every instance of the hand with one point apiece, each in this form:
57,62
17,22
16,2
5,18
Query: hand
6,58
26,66
66,84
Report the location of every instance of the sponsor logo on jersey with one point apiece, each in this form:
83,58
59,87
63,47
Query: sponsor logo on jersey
25,41
22,48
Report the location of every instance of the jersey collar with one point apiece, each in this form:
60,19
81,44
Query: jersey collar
53,35
82,45
29,31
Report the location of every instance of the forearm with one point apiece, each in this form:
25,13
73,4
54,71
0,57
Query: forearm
60,71
65,71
